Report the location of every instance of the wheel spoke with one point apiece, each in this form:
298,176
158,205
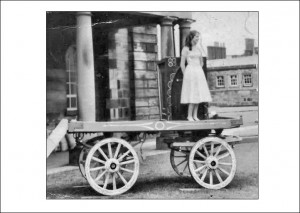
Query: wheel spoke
200,154
204,174
122,178
126,153
211,180
185,167
206,152
102,153
198,161
212,149
100,176
109,150
181,162
223,156
106,180
117,150
218,150
126,170
127,162
224,171
225,164
200,168
114,181
218,176
98,160
179,156
97,168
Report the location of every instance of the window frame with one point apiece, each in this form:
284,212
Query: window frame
230,80
71,67
217,81
244,80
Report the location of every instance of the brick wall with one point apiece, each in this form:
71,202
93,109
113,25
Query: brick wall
239,95
144,56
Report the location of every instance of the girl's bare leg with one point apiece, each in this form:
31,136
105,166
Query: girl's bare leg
190,112
195,112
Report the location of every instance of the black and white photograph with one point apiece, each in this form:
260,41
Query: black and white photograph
140,107
187,104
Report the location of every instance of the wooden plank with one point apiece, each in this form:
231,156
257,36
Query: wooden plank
57,134
142,56
141,102
144,29
142,93
185,144
140,65
148,126
141,37
143,74
253,139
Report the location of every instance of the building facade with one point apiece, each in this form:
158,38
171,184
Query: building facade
233,81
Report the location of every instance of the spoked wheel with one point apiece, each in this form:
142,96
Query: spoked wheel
112,166
82,158
84,152
212,163
179,160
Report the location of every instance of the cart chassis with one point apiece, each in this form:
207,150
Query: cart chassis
116,163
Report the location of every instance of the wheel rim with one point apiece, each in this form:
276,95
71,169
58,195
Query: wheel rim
212,163
179,161
112,166
81,160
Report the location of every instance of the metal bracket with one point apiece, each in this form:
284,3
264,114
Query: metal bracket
78,138
142,139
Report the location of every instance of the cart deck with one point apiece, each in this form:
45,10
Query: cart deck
153,125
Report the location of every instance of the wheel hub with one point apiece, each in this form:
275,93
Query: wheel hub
112,165
212,162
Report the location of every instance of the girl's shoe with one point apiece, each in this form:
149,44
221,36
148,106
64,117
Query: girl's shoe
196,119
190,119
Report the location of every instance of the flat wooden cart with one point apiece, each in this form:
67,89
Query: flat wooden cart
198,149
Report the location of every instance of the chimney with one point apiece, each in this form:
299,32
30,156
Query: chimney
218,51
249,46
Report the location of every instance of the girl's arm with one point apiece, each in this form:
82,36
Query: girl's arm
201,61
183,59
202,54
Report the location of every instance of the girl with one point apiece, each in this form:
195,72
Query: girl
194,87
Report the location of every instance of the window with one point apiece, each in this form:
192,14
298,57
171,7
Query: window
220,81
71,80
233,80
247,80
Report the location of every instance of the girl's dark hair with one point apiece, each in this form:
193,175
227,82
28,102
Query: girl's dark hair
189,38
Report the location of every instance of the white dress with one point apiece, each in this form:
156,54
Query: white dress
194,87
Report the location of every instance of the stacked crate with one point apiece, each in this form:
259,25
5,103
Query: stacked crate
144,56
118,102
